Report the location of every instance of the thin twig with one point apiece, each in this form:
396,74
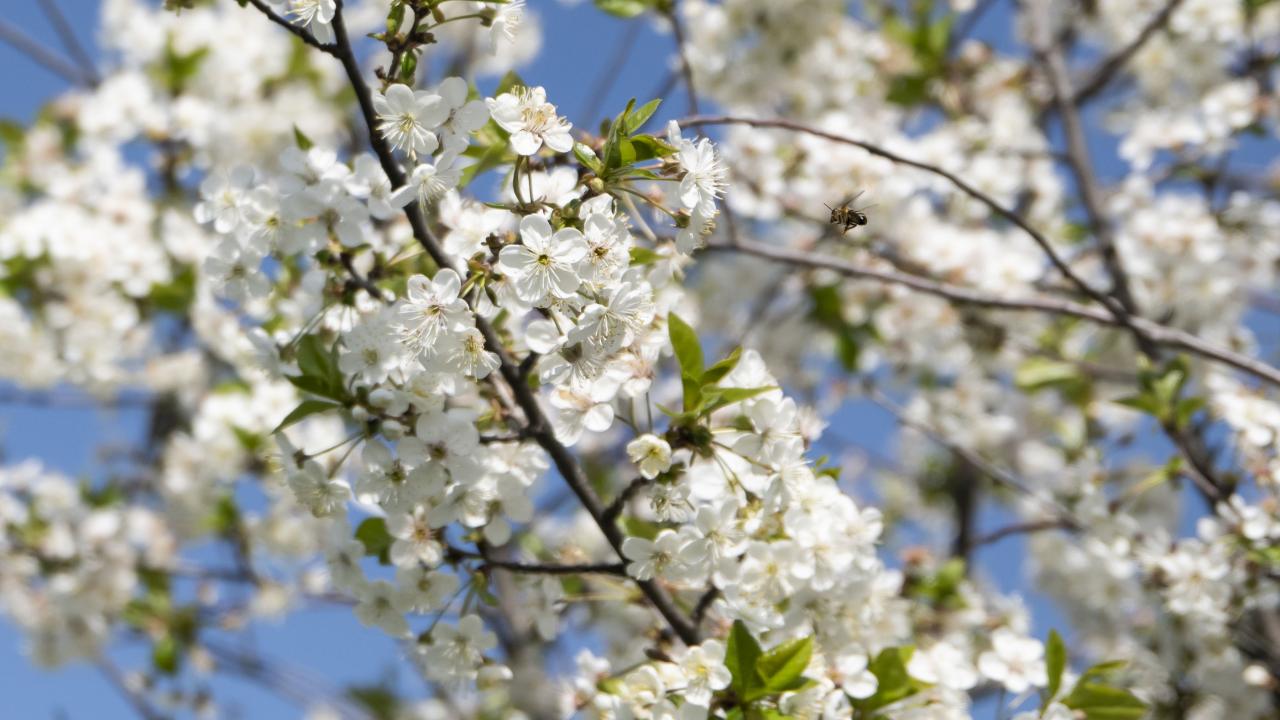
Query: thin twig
1013,217
22,42
997,474
686,69
456,553
1160,334
619,503
604,83
1086,180
135,699
1020,528
1107,69
70,43
298,32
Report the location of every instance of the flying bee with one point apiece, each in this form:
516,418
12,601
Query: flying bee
848,217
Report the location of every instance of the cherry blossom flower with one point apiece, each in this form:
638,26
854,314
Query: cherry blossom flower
532,121
543,264
406,118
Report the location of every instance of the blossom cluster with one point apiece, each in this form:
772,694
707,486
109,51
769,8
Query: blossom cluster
574,416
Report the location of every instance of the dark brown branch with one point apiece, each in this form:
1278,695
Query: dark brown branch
704,604
619,503
539,428
298,32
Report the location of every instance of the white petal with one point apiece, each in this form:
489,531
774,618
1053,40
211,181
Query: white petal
525,142
560,141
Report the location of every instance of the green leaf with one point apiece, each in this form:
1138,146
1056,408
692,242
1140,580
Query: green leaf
381,701
1055,658
893,681
644,256
395,18
1103,669
782,668
508,81
409,68
315,386
165,654
716,373
623,8
741,654
640,528
687,348
648,147
1185,409
588,158
1037,373
300,138
176,295
493,156
319,366
305,409
716,398
1104,702
636,120
372,533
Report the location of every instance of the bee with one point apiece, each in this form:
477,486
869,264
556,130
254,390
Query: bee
848,217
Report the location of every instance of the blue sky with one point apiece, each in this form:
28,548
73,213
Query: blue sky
328,642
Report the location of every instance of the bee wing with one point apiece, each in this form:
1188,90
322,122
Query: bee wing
850,200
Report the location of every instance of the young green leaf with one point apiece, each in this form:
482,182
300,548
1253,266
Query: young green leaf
623,8
782,668
716,373
687,348
893,681
305,409
636,120
304,143
508,82
1055,657
372,533
588,158
741,654
1104,702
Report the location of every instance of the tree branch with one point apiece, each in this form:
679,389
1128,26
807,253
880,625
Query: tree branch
619,503
70,43
677,30
1021,528
540,429
133,697
298,32
1107,69
486,560
46,58
1086,180
1160,334
1013,217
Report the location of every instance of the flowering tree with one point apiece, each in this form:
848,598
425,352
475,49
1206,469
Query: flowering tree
510,388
